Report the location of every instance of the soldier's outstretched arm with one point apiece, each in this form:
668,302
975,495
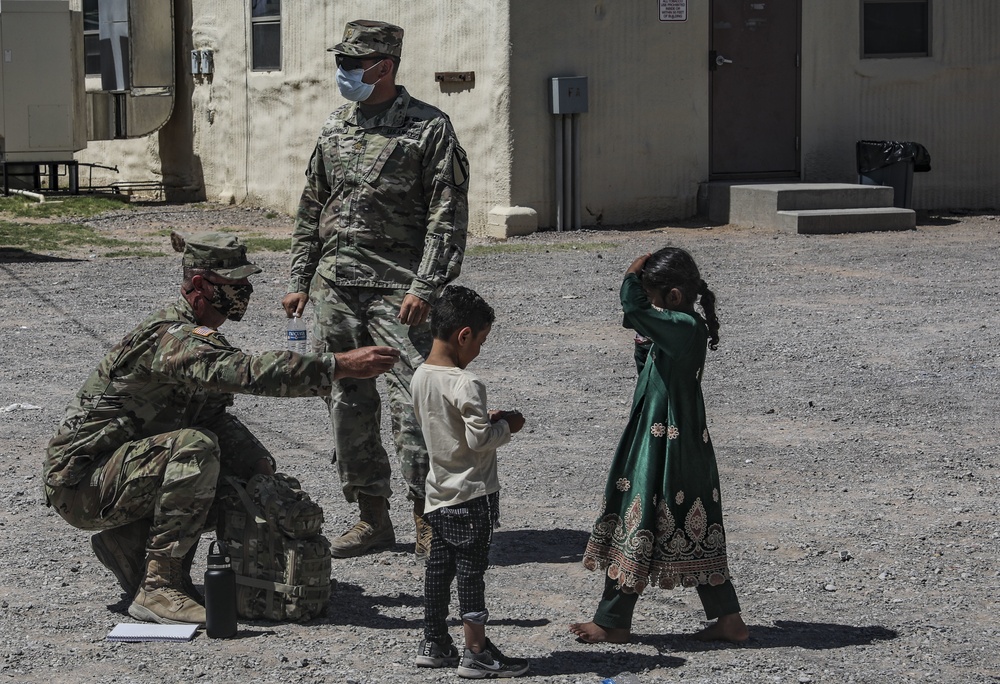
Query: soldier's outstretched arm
365,362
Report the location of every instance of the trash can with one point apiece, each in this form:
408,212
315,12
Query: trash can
887,162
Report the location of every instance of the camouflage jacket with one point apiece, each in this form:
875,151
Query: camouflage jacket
385,202
168,374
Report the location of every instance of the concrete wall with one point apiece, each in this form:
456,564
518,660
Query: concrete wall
948,102
246,136
645,138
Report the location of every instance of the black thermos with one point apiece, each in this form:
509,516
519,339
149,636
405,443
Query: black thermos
220,593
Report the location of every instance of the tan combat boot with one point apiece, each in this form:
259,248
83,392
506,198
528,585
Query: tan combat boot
422,549
372,533
122,550
161,598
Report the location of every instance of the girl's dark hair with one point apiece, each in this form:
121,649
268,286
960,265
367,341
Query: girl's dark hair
673,267
459,307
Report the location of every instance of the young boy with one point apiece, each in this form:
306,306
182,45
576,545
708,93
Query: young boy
462,494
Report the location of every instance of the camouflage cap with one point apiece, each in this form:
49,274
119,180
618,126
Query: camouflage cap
221,253
363,38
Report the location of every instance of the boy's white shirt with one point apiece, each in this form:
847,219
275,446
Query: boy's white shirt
450,405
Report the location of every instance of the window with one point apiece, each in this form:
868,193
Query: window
265,34
895,28
91,38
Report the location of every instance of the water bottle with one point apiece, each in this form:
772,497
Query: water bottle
623,678
220,593
296,335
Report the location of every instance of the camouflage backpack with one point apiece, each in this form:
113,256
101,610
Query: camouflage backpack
282,562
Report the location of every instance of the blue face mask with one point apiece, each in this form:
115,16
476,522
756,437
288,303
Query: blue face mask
352,87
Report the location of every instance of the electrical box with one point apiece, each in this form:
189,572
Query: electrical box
42,102
569,95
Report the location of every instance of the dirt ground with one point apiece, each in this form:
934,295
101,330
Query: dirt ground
852,401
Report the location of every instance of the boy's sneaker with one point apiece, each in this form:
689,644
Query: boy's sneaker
433,654
490,662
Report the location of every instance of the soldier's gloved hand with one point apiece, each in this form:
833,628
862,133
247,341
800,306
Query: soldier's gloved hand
414,310
294,303
365,362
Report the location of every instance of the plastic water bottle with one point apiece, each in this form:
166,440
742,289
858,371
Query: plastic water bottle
296,335
220,593
623,678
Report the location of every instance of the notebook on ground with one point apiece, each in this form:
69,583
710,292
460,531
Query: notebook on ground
147,632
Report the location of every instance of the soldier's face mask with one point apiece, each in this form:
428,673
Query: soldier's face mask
351,85
231,300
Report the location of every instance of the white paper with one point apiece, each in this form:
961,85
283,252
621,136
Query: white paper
150,632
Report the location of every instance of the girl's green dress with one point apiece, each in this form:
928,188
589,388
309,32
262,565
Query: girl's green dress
661,518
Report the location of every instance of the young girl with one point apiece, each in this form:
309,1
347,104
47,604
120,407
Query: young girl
661,522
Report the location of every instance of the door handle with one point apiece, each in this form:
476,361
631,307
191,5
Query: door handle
720,60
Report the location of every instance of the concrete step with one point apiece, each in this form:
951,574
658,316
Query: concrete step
758,204
863,220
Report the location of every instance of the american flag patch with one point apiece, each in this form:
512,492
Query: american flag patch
204,331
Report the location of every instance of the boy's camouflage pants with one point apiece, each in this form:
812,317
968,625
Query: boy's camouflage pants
352,317
169,479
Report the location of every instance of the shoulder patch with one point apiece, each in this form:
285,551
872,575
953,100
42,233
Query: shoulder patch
204,331
460,167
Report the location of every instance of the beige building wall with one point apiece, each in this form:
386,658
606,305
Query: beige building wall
645,137
247,136
948,102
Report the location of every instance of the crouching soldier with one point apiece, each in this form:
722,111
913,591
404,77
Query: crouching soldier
142,446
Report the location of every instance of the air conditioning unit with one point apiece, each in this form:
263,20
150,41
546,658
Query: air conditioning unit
42,102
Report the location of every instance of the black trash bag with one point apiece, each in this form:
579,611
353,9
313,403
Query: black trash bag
877,154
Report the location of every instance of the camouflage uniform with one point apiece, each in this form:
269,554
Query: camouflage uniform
384,213
148,433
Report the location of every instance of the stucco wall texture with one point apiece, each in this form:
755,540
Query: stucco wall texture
245,136
947,101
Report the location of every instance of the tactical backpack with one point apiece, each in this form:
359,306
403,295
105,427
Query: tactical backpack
281,560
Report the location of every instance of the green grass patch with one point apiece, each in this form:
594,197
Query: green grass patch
76,205
267,244
515,248
51,237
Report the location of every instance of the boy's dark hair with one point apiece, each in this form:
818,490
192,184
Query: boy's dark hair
672,267
459,307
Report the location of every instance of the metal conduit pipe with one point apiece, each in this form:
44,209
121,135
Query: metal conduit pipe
577,175
559,173
568,171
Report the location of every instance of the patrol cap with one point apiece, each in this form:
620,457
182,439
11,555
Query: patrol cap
363,38
221,253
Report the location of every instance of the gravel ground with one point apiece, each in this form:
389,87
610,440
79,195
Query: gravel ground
853,405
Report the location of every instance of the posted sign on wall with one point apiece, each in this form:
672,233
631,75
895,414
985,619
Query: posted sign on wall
673,10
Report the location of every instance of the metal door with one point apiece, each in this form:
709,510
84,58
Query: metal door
754,89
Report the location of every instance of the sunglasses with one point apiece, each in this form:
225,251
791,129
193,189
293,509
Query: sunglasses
351,63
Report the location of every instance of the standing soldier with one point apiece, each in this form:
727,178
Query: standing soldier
141,448
381,229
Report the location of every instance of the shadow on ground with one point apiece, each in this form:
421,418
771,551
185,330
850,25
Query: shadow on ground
782,634
605,664
515,547
16,255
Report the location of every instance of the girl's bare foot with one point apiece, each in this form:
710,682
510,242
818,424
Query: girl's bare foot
593,633
727,628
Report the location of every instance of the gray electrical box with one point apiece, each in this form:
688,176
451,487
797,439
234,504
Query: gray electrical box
42,103
569,95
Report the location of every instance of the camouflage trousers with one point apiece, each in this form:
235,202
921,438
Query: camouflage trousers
169,479
352,317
